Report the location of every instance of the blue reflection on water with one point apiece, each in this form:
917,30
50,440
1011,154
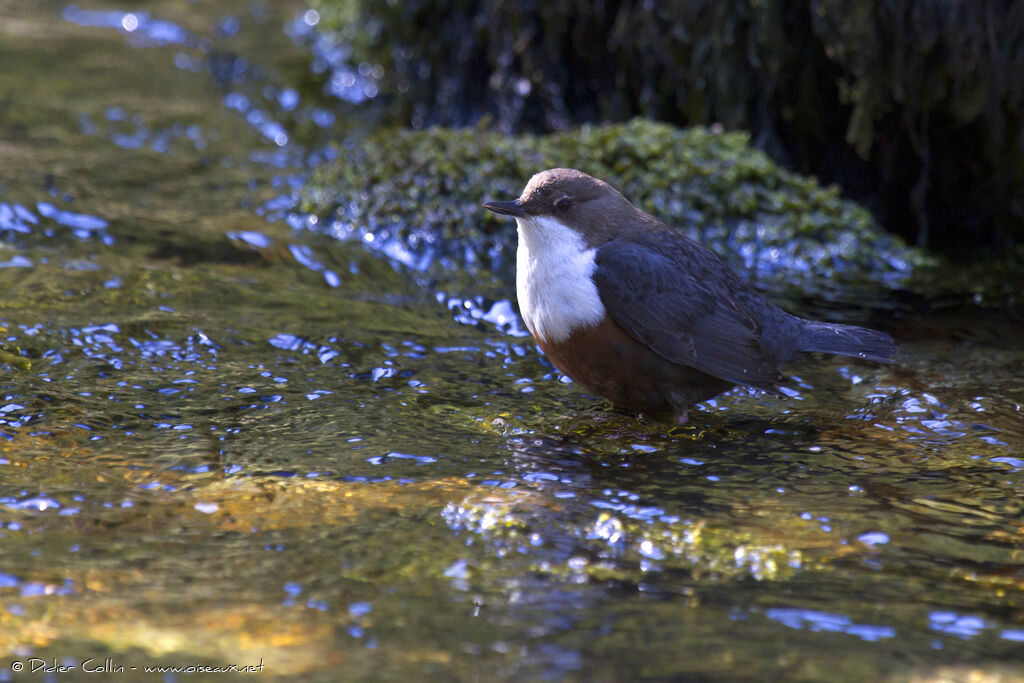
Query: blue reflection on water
873,538
146,30
963,625
471,311
17,261
37,503
394,455
813,620
16,220
351,83
290,342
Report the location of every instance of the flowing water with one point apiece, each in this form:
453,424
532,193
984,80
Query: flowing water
232,441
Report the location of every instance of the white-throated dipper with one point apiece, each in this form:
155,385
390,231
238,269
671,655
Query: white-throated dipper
644,316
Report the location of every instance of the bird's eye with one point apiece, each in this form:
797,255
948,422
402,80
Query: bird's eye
562,203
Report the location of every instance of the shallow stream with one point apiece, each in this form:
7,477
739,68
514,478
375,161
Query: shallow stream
229,439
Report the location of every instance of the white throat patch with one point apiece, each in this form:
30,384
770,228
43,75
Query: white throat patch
553,279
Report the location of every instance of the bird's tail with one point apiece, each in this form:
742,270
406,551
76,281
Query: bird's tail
846,340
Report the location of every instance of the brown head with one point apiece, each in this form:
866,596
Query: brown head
590,206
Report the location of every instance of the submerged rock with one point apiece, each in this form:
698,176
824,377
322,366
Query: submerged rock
417,194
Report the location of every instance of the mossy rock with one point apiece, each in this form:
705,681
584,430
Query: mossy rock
417,195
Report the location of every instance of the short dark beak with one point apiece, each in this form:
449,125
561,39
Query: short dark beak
507,208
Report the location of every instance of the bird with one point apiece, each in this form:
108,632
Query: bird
642,315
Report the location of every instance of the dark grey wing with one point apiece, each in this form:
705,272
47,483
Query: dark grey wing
676,302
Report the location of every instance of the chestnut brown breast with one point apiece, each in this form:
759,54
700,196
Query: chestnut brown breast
609,363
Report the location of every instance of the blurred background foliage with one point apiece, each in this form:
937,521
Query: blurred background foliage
913,107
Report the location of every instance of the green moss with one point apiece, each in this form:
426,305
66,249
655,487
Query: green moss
14,359
421,191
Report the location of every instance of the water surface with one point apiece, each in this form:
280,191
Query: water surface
229,439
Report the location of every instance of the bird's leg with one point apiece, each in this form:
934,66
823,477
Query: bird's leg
681,417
